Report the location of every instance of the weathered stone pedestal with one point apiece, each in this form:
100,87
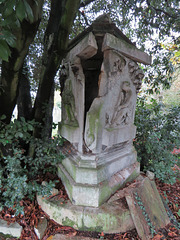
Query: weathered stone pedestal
99,84
91,179
100,80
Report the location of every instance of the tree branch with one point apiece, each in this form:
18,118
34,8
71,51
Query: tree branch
85,18
85,3
160,10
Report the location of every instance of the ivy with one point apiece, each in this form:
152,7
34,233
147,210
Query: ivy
13,12
157,135
20,174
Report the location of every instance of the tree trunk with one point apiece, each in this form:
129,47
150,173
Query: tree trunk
10,70
56,41
47,130
24,103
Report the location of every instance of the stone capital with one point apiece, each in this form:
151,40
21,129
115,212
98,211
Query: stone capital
128,50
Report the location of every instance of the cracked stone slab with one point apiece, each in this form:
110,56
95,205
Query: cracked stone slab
146,208
64,237
109,218
13,229
41,228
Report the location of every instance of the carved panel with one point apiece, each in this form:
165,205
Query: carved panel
68,105
122,113
120,104
136,75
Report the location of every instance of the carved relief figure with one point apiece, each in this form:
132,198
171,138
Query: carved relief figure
68,108
120,104
136,75
63,76
123,111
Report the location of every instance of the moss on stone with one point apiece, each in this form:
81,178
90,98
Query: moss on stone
110,129
5,236
68,222
104,193
94,123
67,184
92,229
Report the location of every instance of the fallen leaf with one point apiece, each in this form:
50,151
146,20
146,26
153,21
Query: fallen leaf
172,234
72,233
124,235
157,237
49,238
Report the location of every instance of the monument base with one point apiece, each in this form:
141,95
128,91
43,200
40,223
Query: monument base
93,195
111,217
137,206
90,180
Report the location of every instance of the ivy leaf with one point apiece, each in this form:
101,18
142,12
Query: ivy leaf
20,11
3,117
29,11
4,50
9,7
8,37
19,134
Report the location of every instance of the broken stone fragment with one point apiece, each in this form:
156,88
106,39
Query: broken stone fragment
41,228
150,175
54,191
12,229
146,208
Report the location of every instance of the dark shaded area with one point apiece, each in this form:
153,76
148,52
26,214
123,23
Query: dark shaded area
24,103
92,70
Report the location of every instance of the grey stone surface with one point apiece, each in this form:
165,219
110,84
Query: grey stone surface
146,207
96,194
99,94
105,166
41,228
13,229
64,237
112,42
110,217
85,49
150,175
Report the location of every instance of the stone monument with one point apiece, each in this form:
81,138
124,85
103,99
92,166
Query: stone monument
100,80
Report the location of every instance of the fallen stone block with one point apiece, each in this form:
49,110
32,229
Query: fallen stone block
64,237
146,208
13,229
41,228
150,175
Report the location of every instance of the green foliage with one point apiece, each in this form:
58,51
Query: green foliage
12,13
157,135
20,174
151,25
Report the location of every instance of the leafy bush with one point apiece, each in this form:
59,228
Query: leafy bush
21,174
157,135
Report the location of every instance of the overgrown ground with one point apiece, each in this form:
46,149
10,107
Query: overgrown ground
34,213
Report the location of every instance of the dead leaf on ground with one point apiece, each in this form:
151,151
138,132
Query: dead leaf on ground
49,238
172,234
158,237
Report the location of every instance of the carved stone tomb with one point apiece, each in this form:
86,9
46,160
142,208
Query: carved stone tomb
100,80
